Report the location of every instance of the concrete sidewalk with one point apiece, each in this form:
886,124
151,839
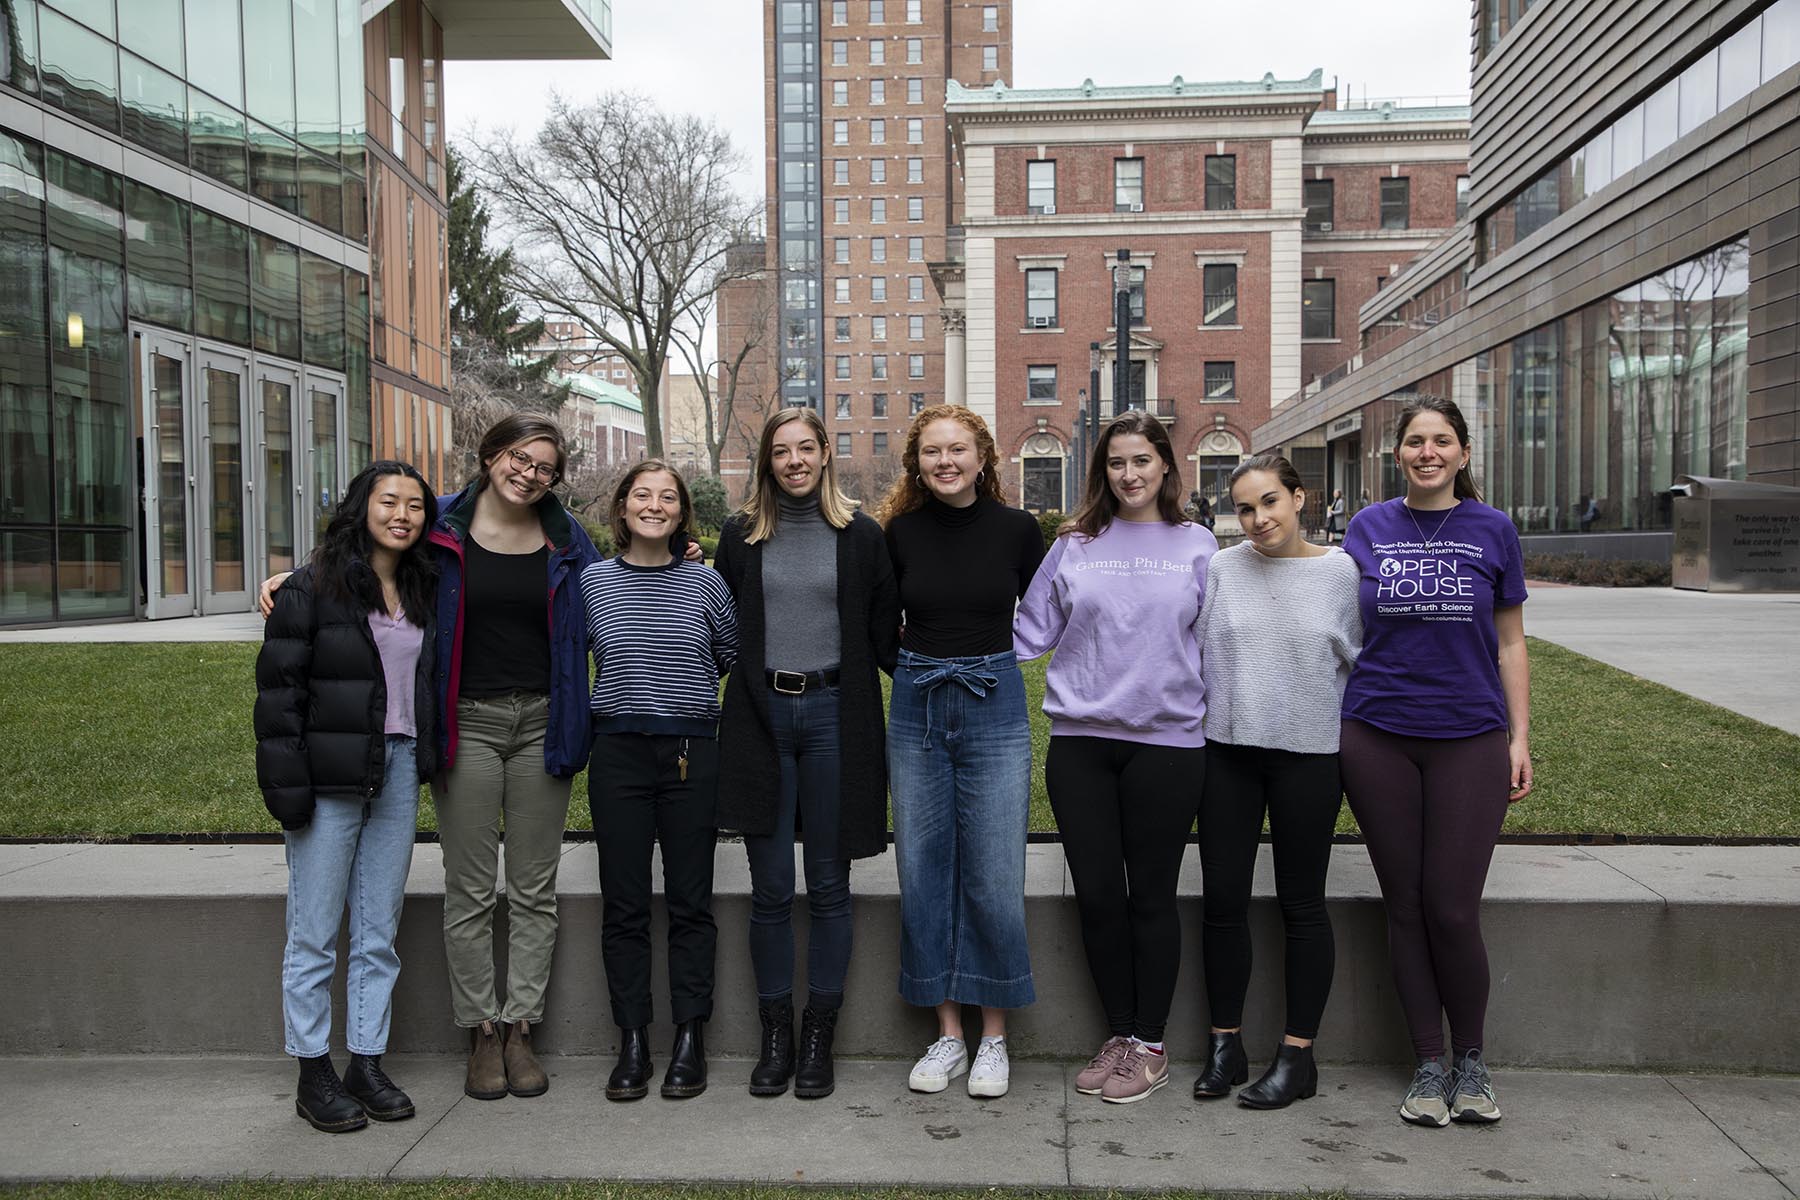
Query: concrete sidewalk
214,1119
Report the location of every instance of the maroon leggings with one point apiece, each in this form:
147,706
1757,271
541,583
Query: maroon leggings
1430,810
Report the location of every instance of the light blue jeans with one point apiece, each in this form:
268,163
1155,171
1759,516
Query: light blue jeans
959,764
355,852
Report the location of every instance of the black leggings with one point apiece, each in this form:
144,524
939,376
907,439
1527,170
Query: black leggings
1124,810
1301,795
1430,810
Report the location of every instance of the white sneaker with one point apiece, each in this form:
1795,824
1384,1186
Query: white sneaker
991,1073
945,1060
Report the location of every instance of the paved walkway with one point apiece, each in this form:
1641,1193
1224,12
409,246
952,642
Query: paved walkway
1564,1134
226,627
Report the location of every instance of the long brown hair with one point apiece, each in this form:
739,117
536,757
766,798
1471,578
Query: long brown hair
762,507
908,492
515,429
1464,487
621,534
1098,504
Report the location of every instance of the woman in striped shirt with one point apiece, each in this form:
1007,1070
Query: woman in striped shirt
663,631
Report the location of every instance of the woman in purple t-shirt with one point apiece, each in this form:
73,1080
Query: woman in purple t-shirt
1435,740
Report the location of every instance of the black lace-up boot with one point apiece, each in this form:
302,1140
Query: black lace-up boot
776,1065
816,1076
322,1099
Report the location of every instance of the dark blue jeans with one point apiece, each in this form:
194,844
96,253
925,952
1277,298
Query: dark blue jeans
806,743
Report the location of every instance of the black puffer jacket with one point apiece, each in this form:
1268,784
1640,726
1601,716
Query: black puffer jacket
321,703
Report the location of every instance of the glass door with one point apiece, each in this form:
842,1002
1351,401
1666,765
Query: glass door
324,413
169,479
227,513
282,544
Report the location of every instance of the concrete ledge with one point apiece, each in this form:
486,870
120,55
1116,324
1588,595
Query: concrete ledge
1644,957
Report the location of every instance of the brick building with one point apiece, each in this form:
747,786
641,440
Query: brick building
575,350
1257,217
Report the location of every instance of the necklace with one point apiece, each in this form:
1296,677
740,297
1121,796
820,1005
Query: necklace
1415,520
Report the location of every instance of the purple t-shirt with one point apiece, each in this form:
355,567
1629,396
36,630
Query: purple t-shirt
1430,663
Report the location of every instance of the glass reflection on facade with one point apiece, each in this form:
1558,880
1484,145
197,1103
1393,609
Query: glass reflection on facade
797,166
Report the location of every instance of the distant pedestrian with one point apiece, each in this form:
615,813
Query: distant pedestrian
1436,741
1587,512
1334,520
345,714
1281,630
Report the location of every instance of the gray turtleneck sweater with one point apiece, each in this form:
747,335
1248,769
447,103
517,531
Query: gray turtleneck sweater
799,579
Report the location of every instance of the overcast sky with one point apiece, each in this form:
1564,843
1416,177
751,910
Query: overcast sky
705,56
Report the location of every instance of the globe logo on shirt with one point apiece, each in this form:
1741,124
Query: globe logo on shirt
1390,566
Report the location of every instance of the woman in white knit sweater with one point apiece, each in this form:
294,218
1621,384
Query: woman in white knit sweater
1279,629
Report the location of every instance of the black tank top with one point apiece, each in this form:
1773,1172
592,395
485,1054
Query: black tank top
506,621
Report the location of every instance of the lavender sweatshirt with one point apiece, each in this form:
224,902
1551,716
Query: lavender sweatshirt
1119,611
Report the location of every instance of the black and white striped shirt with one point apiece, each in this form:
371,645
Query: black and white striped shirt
661,638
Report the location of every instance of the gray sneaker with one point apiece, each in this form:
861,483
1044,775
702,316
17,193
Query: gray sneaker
1472,1097
1428,1099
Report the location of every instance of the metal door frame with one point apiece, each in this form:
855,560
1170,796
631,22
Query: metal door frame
152,342
236,361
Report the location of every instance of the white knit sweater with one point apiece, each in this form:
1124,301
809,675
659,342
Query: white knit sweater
1277,639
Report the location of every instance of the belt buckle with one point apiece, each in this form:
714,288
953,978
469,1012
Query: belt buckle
799,684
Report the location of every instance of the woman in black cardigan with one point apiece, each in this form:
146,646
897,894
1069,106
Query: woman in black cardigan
818,615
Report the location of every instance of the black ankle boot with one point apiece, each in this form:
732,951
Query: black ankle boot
1292,1076
1226,1067
322,1099
630,1079
370,1087
686,1076
816,1077
776,1066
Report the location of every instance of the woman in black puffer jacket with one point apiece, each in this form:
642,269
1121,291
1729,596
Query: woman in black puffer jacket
345,723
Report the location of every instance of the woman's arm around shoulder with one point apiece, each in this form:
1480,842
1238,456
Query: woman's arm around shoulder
721,615
884,591
1040,619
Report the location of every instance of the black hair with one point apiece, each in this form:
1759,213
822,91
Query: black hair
340,561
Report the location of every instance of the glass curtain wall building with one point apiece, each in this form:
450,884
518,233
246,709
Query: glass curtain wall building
801,362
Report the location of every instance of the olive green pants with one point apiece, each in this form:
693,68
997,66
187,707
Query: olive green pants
499,770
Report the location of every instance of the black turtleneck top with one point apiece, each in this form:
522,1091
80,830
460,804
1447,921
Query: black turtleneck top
961,572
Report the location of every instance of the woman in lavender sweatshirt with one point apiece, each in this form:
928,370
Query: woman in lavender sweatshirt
1116,598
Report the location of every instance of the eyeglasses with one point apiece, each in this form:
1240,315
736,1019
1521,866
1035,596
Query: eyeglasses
528,465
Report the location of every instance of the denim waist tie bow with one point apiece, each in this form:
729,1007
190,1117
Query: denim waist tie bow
974,676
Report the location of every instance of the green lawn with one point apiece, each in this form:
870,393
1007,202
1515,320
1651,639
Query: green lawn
120,739
600,1189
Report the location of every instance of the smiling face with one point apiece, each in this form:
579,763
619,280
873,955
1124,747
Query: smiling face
1135,473
396,513
652,508
521,474
1268,511
949,461
797,459
1430,454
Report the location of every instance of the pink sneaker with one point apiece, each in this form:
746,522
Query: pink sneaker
1093,1076
1139,1073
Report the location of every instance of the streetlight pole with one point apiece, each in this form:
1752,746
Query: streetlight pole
1122,322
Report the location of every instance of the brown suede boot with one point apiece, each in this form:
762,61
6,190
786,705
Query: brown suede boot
524,1075
486,1079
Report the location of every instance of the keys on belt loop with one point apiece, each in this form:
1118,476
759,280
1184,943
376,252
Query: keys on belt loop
681,760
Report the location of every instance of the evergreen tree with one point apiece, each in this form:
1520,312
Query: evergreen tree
480,303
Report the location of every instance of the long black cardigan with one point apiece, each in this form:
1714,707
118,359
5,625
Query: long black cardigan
869,625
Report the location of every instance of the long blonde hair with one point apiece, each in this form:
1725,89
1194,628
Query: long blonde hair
762,508
908,492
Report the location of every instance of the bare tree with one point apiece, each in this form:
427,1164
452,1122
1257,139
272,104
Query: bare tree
487,383
623,217
733,373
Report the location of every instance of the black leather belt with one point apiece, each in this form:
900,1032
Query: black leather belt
798,683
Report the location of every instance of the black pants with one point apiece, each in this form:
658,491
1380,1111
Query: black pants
1124,810
1302,795
638,799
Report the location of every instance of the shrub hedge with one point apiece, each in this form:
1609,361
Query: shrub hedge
1596,572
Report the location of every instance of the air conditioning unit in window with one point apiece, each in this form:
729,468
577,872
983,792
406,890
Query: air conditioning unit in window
1048,210
1040,322
1137,208
1323,227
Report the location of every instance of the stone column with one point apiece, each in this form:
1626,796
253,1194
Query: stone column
956,367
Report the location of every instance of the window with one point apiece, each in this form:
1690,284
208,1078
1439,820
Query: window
843,406
878,170
1040,186
915,50
915,249
1221,382
1137,295
879,442
1219,282
840,54
840,93
878,329
877,91
915,131
915,366
797,58
1221,181
877,12
914,12
915,328
840,250
915,91
878,367
878,211
840,12
841,367
840,291
840,171
915,208
915,170
840,133
878,249
1135,375
1316,194
877,131
1396,202
843,445
840,212
841,329
878,289
877,52
915,287
915,403
1040,384
795,18
1128,185
878,405
990,58
1318,308
1040,298
1462,196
